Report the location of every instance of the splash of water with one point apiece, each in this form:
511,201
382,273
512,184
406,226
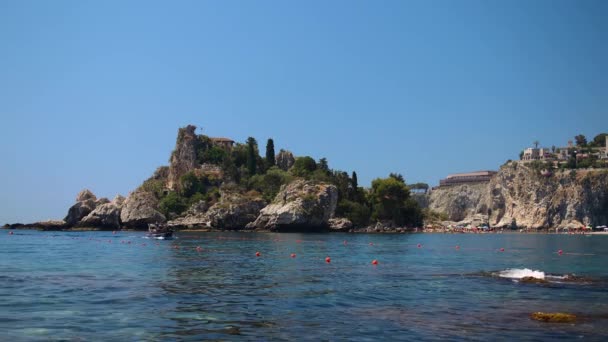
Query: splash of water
518,273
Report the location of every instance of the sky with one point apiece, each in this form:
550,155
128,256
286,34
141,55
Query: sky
92,92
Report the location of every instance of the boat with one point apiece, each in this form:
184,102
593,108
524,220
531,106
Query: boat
159,231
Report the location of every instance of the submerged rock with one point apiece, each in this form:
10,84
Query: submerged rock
553,317
300,205
532,280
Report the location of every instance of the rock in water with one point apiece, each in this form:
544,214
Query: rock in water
555,317
300,205
285,160
183,158
341,224
139,209
532,280
104,216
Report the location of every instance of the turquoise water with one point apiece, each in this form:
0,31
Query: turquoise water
97,286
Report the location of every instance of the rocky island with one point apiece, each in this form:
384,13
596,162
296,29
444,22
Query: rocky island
217,184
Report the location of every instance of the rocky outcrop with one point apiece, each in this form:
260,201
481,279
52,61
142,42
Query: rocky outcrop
285,160
104,216
183,158
524,197
84,195
340,224
233,211
139,209
300,205
86,202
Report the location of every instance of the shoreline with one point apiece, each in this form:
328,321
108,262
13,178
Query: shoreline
208,230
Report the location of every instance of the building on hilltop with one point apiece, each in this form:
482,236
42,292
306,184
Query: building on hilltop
468,177
224,143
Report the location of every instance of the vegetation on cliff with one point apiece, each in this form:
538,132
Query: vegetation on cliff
243,170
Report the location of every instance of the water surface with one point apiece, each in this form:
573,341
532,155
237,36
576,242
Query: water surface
104,286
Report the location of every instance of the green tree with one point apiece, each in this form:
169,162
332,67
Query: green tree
172,204
251,155
600,140
397,176
214,155
270,161
521,155
391,201
303,166
323,165
536,143
580,140
190,184
353,181
357,213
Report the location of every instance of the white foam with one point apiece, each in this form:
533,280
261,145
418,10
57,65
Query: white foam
518,273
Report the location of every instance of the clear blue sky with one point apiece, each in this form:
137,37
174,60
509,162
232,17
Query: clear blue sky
92,93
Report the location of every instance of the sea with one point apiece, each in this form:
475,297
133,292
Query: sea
106,286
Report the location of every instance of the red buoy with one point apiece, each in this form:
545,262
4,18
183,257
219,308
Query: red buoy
374,262
502,249
293,255
198,248
560,252
419,246
257,254
328,260
457,247
10,233
371,243
345,242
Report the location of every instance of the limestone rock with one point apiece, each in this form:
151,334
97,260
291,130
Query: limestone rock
183,158
80,210
104,216
101,201
233,211
341,224
300,205
522,196
139,209
118,200
84,195
285,160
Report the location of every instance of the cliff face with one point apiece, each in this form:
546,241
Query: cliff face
521,195
458,202
183,158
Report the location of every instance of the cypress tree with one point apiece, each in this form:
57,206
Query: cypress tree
270,153
354,181
251,159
